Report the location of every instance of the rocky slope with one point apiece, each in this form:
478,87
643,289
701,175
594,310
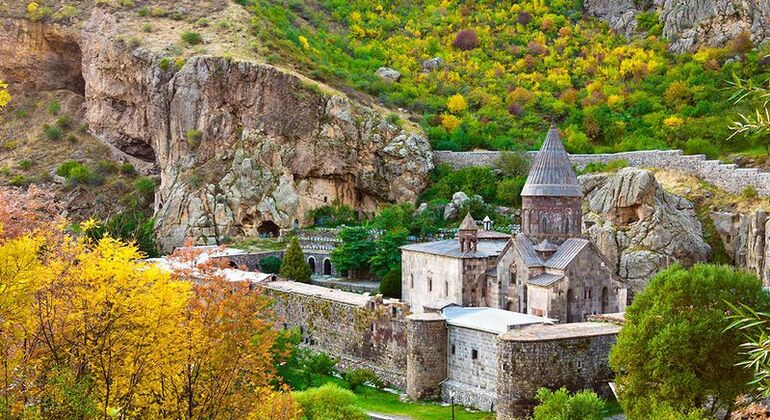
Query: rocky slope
639,226
240,147
690,23
746,237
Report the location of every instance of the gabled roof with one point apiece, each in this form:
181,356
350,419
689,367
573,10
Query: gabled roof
451,248
527,251
551,173
545,279
545,246
566,253
493,235
468,223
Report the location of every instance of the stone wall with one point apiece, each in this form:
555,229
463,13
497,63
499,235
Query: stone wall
725,176
426,355
471,380
362,331
574,356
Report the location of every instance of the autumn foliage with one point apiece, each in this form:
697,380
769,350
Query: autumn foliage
89,330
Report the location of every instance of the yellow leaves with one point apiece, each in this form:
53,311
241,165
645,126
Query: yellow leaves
673,121
615,101
5,97
304,43
456,104
450,122
89,225
32,7
355,17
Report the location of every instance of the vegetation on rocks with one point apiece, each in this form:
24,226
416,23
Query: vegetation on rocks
506,70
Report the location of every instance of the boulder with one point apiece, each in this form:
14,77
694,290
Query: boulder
432,64
455,205
639,226
388,74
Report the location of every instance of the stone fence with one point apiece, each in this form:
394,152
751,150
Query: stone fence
726,176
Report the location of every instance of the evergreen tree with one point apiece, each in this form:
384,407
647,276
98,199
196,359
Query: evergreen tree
293,266
391,284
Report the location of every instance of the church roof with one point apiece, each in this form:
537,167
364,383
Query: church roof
566,253
493,235
545,279
451,248
527,251
545,246
551,173
468,223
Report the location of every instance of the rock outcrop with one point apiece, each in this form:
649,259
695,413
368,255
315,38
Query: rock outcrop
639,226
690,23
746,237
241,147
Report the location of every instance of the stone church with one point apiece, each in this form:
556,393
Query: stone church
550,269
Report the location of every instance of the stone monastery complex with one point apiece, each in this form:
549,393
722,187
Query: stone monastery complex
486,318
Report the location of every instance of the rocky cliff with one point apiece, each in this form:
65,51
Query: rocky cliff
240,147
639,226
690,23
746,237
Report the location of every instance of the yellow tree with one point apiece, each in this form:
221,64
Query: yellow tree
5,97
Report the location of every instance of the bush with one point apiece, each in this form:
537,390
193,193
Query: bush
749,193
65,167
271,264
127,169
329,402
513,164
391,284
334,215
64,122
145,187
77,173
192,37
194,138
584,405
54,107
362,377
52,132
25,164
293,266
509,190
466,40
106,167
699,146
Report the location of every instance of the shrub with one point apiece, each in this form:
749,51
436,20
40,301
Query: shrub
524,18
64,122
77,173
127,169
65,168
362,377
293,266
513,164
456,103
52,132
466,40
749,193
329,402
334,215
391,284
192,37
54,107
157,12
393,118
194,138
584,405
698,146
509,190
271,264
25,164
145,186
742,43
677,94
165,63
19,181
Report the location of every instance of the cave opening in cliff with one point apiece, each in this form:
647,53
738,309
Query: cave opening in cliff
268,229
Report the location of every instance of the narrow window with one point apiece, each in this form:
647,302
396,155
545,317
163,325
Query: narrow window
589,293
430,284
474,354
453,349
411,281
446,288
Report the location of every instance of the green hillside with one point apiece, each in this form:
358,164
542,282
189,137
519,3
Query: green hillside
510,69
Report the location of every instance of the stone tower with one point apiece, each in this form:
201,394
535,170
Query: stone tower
551,196
468,235
426,355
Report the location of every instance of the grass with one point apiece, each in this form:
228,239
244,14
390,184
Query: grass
371,399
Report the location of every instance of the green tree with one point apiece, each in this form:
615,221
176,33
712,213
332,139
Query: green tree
271,264
355,251
560,405
674,349
391,284
329,402
513,164
293,266
387,255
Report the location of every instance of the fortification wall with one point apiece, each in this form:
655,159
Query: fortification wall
725,176
362,331
574,356
471,368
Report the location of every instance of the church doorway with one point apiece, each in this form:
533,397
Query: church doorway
570,300
605,300
311,263
268,229
327,267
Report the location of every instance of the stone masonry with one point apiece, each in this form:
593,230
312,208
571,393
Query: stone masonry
426,355
723,175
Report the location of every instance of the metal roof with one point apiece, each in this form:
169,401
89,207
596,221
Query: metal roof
468,223
527,251
493,235
545,246
489,319
551,173
566,253
451,248
545,279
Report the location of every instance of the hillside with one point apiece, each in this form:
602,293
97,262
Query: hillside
517,68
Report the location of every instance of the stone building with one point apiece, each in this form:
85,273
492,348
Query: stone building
550,269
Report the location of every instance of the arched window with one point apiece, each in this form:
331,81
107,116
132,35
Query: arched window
311,263
543,224
327,267
605,300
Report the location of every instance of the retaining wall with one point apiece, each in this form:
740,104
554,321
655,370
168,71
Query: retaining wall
726,176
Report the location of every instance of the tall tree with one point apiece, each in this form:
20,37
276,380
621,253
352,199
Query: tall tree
387,255
293,265
674,349
355,251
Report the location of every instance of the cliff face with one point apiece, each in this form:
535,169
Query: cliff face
746,237
238,145
690,23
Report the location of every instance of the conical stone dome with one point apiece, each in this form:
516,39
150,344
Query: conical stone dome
551,173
